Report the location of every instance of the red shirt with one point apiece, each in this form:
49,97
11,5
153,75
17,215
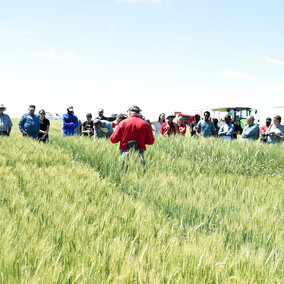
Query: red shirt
264,128
182,129
114,124
172,128
133,129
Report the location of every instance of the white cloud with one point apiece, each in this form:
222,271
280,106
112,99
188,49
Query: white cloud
229,73
69,54
18,34
273,60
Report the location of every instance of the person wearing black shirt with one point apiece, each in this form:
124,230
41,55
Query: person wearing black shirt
101,115
194,124
88,126
44,126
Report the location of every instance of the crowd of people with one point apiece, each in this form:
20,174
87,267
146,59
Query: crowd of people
37,127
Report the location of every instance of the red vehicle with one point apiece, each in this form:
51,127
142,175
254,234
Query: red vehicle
188,119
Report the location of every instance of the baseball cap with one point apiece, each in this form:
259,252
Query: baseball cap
70,108
32,107
135,109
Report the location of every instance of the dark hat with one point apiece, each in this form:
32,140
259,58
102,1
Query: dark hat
268,119
170,115
32,107
135,108
97,122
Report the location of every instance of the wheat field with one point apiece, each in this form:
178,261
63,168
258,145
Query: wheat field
200,211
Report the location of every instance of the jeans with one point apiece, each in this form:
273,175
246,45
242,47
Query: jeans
44,140
124,155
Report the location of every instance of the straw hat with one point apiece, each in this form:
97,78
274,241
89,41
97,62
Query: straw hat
3,107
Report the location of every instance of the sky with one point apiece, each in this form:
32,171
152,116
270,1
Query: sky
163,55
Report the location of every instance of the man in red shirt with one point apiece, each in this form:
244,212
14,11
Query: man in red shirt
133,133
169,127
263,129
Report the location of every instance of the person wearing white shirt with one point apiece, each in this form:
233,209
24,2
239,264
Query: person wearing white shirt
158,124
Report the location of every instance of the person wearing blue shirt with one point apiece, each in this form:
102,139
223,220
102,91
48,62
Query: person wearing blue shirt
275,132
226,131
251,131
5,122
29,123
69,122
102,128
205,128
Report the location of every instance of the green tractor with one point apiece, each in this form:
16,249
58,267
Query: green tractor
238,115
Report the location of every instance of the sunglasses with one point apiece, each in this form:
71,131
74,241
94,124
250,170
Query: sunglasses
42,113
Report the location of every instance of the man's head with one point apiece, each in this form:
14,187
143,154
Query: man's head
197,117
2,108
180,120
100,112
250,119
228,119
206,115
31,109
268,121
97,123
170,118
134,110
89,117
119,117
70,110
277,120
215,121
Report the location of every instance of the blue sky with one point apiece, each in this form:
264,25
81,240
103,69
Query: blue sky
165,56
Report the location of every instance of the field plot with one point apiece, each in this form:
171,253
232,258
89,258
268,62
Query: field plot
199,212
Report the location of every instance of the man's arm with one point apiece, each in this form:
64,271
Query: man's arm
213,129
149,136
176,128
230,131
21,124
116,135
65,124
198,128
38,125
10,124
250,132
76,122
221,131
110,130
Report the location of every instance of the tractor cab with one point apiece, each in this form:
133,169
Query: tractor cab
238,114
